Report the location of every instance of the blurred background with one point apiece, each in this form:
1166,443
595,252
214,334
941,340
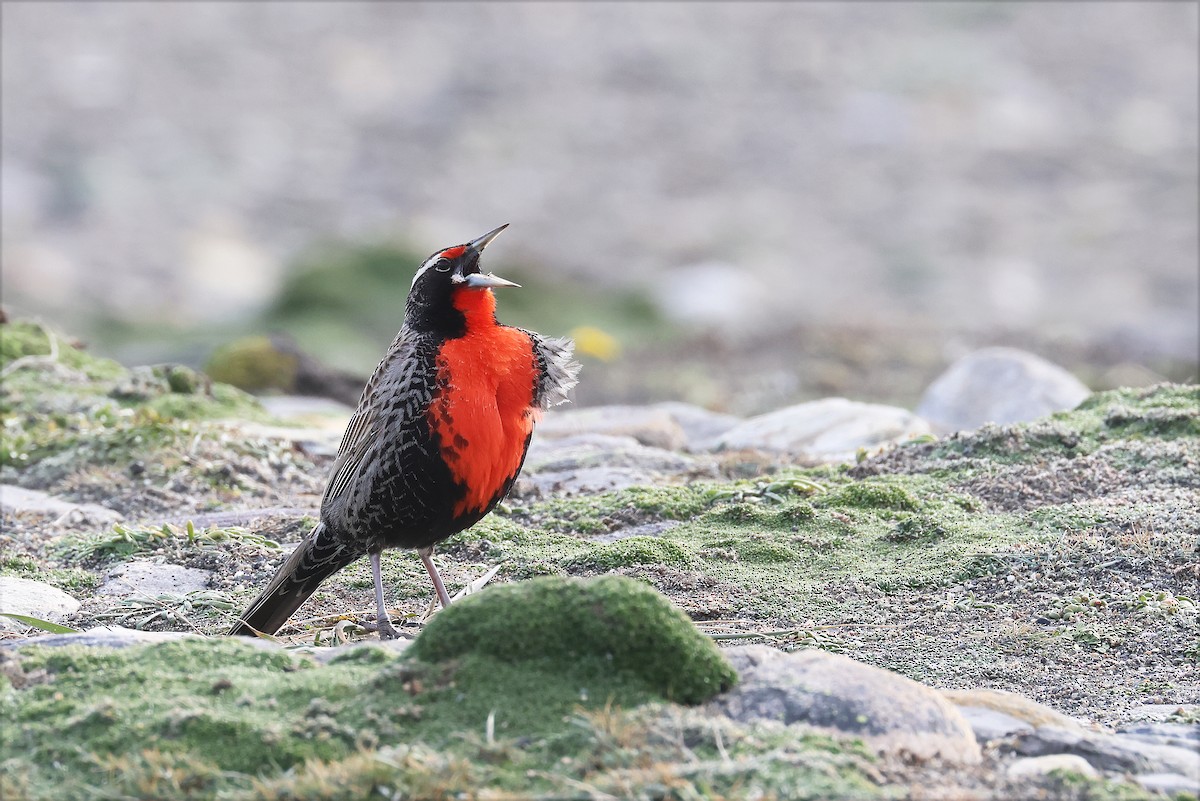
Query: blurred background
739,205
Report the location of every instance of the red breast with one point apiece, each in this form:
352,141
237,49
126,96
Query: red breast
483,411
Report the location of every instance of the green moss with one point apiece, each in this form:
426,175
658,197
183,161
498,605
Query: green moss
1162,412
371,724
22,338
630,551
221,402
797,513
86,411
916,528
612,620
741,514
217,713
70,580
253,364
600,514
667,503
759,551
872,494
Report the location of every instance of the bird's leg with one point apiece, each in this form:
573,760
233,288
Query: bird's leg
425,554
383,624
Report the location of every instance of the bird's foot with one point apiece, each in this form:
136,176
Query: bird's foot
386,630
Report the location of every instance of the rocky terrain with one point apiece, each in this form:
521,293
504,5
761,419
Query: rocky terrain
829,600
961,165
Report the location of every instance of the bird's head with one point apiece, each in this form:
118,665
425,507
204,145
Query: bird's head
449,292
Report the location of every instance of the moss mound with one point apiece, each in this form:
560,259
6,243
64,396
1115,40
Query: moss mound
222,718
562,622
253,364
65,404
1163,413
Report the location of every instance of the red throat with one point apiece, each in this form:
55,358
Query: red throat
478,306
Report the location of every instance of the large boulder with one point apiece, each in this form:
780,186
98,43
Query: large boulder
20,596
587,464
824,431
655,428
998,385
838,695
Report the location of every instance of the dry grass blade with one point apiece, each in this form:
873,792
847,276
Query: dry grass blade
472,587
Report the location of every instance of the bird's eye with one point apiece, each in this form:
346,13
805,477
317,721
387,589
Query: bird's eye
442,266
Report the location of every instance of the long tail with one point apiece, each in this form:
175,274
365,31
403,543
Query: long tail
315,559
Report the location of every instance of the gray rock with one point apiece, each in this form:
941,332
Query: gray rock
18,500
304,408
1181,735
1159,713
651,426
1182,759
827,431
701,427
836,694
153,578
1169,784
326,655
990,725
320,436
26,597
1110,752
1013,705
1101,751
592,463
1039,766
644,530
101,637
998,385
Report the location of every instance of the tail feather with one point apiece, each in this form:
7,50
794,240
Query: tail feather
315,559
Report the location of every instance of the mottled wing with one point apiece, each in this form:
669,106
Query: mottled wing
398,376
558,372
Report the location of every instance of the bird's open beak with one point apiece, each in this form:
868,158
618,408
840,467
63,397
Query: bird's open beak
486,280
482,242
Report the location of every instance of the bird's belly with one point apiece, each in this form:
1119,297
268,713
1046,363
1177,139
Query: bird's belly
482,414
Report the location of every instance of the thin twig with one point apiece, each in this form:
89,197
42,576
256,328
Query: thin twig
720,741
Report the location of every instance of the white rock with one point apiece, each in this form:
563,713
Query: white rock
998,385
25,597
648,425
1041,765
701,426
304,408
16,500
153,578
592,463
830,430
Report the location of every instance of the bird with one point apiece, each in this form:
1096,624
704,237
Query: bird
437,440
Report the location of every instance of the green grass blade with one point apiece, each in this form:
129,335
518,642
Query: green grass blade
38,623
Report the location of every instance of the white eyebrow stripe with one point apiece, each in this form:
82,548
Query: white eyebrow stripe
421,270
